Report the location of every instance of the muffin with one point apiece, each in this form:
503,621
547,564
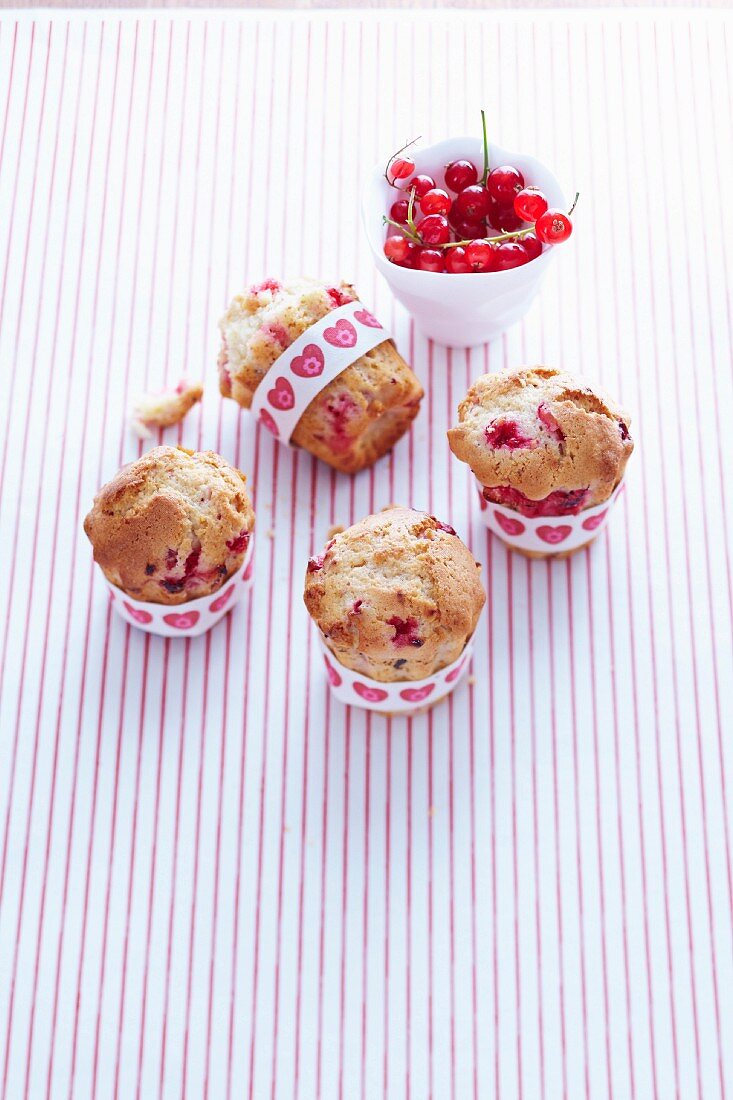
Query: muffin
543,444
396,596
359,415
172,526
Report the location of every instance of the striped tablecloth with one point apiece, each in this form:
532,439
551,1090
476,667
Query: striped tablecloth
213,880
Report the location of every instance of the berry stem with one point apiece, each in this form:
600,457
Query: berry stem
395,155
485,175
575,203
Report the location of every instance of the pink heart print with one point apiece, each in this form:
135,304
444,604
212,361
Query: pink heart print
455,673
223,600
416,695
182,621
481,502
508,525
310,364
138,616
282,397
364,317
267,420
331,672
554,535
342,335
592,522
248,571
372,695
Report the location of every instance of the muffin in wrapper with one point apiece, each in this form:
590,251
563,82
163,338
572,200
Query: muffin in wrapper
172,534
549,453
396,598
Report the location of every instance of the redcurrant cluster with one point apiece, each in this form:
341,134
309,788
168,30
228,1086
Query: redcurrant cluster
491,223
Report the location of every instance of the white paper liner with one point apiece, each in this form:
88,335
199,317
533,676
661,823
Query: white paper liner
318,356
401,697
189,619
547,534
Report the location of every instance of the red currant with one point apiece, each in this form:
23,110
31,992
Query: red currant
480,255
470,231
400,168
435,201
503,217
430,259
529,203
399,250
532,246
472,203
460,174
398,212
433,229
553,227
509,254
421,184
455,261
504,182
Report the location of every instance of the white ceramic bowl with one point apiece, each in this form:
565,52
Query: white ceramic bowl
459,310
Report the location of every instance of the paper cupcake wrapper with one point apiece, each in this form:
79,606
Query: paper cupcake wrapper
401,697
305,368
189,619
546,534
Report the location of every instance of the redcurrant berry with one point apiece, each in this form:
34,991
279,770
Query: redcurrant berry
504,182
455,261
399,250
435,201
480,255
553,227
532,246
400,168
433,229
430,259
470,231
398,212
472,203
460,174
421,184
509,254
529,203
503,217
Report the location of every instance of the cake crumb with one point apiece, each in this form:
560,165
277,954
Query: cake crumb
471,680
270,534
164,409
335,530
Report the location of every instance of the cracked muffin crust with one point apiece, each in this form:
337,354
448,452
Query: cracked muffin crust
172,526
541,441
359,415
396,596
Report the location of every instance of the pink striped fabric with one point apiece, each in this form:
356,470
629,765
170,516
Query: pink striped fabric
214,881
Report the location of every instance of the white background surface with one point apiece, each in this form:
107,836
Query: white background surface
216,882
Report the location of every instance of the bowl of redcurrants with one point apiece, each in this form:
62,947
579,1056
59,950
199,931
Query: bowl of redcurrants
464,231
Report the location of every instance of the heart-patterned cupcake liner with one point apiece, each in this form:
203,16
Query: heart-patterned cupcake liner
318,356
547,535
404,697
189,619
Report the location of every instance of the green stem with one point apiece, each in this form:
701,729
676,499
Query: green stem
485,175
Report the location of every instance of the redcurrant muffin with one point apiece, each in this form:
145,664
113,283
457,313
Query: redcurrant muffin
172,526
360,414
541,442
396,596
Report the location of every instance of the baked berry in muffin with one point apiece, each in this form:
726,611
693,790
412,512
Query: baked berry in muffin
172,526
355,418
541,442
396,596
